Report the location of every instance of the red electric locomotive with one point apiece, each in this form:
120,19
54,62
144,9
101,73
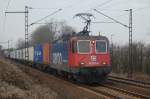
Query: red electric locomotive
89,58
84,57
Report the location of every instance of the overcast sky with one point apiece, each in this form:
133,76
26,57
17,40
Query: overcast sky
12,25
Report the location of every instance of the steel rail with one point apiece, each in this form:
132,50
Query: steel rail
132,93
129,83
102,92
131,80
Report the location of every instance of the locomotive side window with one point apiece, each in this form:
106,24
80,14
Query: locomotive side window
101,46
84,46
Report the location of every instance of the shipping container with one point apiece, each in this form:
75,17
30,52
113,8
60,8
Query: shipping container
60,56
6,53
38,53
31,54
23,51
20,54
17,55
46,53
12,54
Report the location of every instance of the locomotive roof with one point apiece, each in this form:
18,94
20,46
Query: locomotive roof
82,37
91,37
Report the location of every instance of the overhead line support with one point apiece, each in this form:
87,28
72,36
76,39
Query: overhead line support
130,65
130,45
26,29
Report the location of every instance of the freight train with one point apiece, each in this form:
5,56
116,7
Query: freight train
84,58
81,56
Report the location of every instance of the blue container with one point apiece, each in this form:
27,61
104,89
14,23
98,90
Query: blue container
60,53
38,53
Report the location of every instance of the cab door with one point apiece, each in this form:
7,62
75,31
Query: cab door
72,53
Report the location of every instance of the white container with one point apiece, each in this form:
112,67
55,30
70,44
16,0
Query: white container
23,51
13,54
31,53
17,54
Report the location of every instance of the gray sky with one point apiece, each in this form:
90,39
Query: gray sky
14,23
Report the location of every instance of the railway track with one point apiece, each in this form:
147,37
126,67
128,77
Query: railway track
101,92
128,92
143,86
116,93
111,91
137,83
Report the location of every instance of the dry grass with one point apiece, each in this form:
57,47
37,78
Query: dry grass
15,84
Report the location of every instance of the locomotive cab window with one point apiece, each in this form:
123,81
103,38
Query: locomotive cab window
84,46
101,46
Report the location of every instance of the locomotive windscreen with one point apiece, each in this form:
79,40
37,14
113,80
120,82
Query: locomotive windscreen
84,46
101,46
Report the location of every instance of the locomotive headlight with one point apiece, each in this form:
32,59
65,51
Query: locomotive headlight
93,42
81,63
104,63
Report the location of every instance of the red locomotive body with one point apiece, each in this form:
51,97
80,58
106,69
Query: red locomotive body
93,55
89,57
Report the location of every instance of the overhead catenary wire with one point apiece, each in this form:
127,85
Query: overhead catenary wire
3,42
7,5
4,21
142,8
45,17
112,5
35,8
100,5
102,22
111,18
71,5
65,7
104,3
136,10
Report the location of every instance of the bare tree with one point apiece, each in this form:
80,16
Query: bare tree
51,32
20,43
67,31
41,35
141,58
